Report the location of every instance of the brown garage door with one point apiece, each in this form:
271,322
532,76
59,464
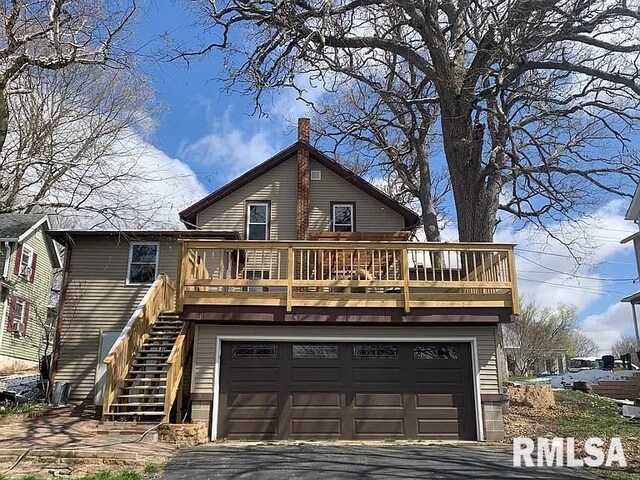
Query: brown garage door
346,390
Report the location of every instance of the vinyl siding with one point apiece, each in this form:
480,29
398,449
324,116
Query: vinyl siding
371,215
206,335
30,346
98,299
277,185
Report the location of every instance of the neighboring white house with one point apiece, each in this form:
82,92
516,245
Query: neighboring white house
633,214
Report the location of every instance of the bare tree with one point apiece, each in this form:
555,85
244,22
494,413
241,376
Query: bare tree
73,104
580,345
67,150
539,332
389,132
625,344
536,101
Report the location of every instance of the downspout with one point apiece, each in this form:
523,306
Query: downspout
5,302
59,314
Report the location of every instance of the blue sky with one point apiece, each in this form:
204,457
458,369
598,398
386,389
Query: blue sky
215,133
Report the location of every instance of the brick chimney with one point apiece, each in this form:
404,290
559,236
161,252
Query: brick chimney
302,193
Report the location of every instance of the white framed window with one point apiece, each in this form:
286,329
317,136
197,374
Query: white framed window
343,217
143,263
258,220
26,261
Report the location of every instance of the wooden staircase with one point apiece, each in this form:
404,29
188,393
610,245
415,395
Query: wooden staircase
142,397
145,367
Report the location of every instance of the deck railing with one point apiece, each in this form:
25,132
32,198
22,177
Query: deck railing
176,363
159,298
347,274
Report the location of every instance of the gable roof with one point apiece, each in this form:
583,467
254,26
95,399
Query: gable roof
13,226
18,227
189,214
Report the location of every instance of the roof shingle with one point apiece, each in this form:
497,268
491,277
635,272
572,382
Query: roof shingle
12,225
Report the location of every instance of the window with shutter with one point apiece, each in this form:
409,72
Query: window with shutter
11,313
25,257
18,315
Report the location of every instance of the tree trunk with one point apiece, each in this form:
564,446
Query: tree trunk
430,220
425,196
476,199
4,118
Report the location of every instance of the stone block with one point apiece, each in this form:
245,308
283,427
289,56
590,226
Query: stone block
194,433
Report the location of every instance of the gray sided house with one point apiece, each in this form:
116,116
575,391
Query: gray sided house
28,259
294,306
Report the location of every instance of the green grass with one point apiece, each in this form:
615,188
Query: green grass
26,408
151,469
631,473
595,417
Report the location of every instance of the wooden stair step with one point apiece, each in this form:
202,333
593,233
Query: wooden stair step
142,395
139,404
146,380
147,387
131,414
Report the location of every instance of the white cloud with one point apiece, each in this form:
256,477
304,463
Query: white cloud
607,327
169,184
153,189
546,270
228,149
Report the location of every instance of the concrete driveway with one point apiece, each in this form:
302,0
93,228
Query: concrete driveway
307,461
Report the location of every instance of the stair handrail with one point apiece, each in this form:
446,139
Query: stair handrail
175,366
159,298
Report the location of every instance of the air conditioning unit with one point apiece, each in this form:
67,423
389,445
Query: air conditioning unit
25,271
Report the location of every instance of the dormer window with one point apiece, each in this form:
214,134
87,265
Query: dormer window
343,217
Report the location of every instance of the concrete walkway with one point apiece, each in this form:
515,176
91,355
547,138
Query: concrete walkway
68,429
308,461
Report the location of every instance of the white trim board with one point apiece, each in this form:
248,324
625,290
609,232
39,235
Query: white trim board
367,338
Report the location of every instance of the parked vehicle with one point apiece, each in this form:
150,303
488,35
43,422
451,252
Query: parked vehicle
577,364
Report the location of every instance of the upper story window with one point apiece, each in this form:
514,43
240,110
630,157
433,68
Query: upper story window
343,217
143,263
257,221
26,261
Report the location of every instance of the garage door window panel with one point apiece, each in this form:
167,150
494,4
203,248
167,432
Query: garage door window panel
315,351
436,352
374,352
254,351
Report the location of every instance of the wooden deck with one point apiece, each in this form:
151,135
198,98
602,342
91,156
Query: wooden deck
347,274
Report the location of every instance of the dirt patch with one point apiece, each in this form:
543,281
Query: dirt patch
535,396
527,421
